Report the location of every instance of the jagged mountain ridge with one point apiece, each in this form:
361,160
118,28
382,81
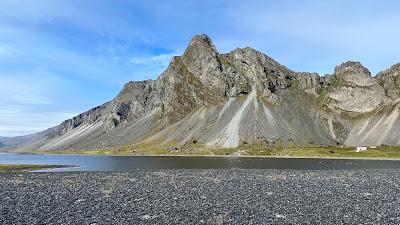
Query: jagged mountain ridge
244,96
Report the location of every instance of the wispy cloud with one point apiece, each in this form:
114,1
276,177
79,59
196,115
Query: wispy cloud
150,64
24,101
162,59
316,35
23,89
60,56
90,15
7,51
20,121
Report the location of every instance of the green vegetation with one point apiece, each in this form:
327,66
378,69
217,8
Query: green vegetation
245,150
84,152
140,149
291,151
347,152
26,167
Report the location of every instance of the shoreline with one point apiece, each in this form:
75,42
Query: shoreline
6,167
216,156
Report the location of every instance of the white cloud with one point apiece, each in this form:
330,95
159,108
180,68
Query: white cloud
151,60
22,121
24,89
150,66
27,104
39,49
7,51
316,35
95,16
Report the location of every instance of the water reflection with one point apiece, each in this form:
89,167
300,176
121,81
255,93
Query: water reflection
126,163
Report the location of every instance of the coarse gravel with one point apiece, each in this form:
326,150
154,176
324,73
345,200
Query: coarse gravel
209,196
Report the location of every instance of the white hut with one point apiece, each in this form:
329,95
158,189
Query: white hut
361,148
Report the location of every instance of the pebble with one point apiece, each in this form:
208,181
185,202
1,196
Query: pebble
192,196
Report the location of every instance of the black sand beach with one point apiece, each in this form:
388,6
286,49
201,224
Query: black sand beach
223,196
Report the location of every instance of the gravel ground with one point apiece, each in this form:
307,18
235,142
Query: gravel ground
231,196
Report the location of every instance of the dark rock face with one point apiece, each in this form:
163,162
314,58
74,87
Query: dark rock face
201,59
133,101
242,96
92,116
245,69
310,80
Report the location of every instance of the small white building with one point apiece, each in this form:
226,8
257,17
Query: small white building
361,148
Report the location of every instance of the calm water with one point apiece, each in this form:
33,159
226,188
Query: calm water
126,163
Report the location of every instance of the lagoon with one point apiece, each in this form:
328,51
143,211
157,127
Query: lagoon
127,163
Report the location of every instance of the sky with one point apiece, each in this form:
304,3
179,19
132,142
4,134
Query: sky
59,58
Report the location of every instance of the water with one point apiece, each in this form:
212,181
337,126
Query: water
126,163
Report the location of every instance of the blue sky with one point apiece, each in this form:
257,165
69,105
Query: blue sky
59,58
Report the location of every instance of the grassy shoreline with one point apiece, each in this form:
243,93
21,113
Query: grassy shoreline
325,152
28,167
237,156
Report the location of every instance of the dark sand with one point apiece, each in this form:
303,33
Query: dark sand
230,196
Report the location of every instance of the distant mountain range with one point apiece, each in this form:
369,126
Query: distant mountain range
241,97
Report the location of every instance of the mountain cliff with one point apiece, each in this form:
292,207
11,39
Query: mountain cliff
241,97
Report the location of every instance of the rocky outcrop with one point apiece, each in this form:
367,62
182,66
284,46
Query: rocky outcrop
310,82
241,97
201,59
390,80
92,116
353,90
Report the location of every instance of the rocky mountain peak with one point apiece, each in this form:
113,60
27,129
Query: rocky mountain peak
251,56
354,74
351,68
199,46
392,71
396,67
390,80
201,59
355,91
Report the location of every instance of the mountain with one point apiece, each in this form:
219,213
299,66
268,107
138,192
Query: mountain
241,97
